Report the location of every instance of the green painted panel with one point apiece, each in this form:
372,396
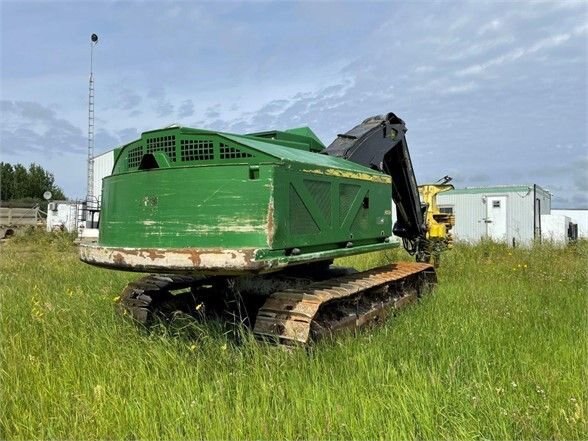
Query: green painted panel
310,159
302,138
311,212
186,207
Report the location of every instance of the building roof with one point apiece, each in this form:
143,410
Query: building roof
496,189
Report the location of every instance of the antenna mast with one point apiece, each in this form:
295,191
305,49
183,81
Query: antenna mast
90,189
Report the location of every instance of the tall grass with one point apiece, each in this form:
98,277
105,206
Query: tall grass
499,351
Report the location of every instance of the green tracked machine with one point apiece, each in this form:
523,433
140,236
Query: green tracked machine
215,216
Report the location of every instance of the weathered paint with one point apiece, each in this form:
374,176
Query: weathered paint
201,207
219,261
270,223
204,260
352,175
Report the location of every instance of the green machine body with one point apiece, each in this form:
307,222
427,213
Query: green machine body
187,200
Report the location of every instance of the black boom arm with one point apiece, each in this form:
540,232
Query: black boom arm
379,143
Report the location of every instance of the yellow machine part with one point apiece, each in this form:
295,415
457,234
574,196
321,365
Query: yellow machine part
439,224
436,230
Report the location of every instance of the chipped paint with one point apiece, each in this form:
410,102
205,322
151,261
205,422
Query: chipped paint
232,227
270,223
206,260
218,261
352,175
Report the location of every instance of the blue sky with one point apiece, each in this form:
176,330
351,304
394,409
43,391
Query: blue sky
492,93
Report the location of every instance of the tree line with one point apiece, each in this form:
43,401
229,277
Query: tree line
19,184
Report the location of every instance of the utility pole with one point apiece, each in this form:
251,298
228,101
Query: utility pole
90,190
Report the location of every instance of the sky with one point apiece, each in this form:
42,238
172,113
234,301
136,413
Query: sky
492,93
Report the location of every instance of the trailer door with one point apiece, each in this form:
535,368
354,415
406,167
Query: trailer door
496,218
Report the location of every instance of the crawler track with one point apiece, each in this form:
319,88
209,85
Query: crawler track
288,315
150,296
350,301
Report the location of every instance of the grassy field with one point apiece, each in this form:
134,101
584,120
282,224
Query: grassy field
499,352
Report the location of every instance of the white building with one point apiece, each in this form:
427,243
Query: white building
64,215
510,214
557,229
103,164
578,216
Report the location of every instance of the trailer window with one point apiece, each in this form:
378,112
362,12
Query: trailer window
495,204
446,210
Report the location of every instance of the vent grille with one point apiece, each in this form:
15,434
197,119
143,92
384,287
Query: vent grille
347,194
321,191
196,150
301,221
227,152
134,156
165,144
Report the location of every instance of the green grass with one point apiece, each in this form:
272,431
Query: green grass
498,352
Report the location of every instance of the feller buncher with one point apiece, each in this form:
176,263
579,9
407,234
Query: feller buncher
214,216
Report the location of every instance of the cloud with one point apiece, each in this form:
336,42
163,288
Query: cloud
480,47
129,100
127,135
514,54
579,172
568,181
492,26
274,107
32,127
104,140
186,109
580,200
212,112
460,88
164,108
424,69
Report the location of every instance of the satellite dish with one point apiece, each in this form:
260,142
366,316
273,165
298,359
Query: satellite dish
47,195
94,38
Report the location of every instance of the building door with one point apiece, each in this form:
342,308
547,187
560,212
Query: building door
537,222
496,218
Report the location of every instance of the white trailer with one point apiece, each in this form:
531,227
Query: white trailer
555,228
578,216
510,214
